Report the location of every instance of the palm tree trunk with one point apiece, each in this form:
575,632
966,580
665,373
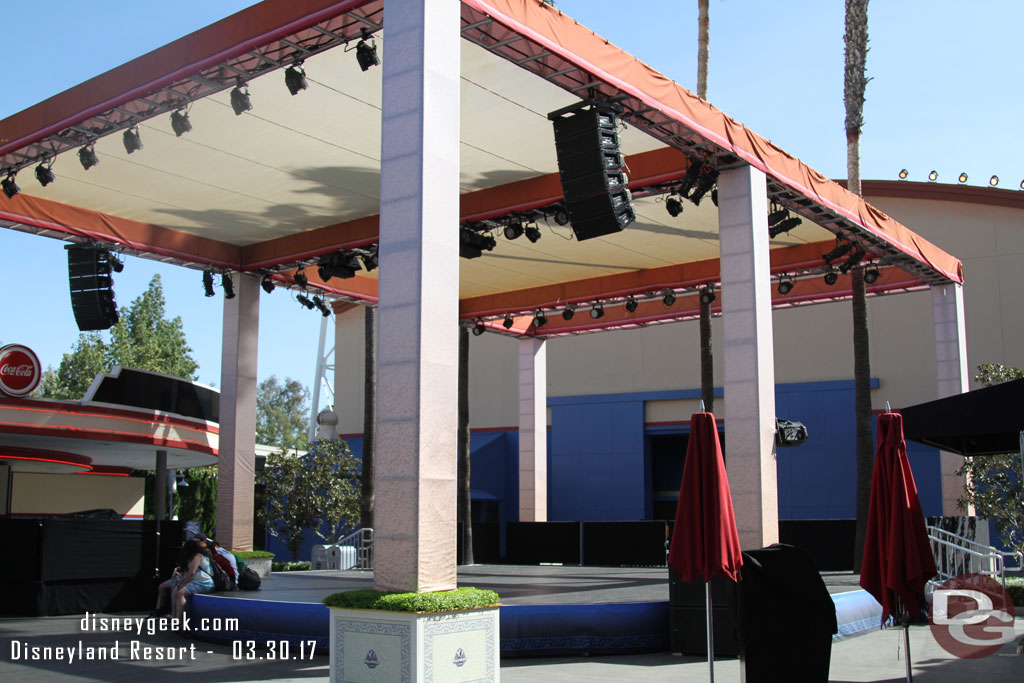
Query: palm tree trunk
703,25
465,503
369,413
707,370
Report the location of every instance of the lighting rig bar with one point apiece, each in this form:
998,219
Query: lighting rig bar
179,94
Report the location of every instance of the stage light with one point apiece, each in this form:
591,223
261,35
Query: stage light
240,100
993,181
304,300
855,258
933,176
692,173
267,284
673,206
632,304
44,174
668,298
132,139
208,283
508,321
478,328
370,259
705,182
366,53
228,285
562,216
539,319
903,174
962,178
784,226
338,264
840,251
87,157
295,78
472,243
116,264
513,231
300,278
597,310
180,123
707,295
10,187
324,310
532,233
568,312
870,275
831,277
777,216
714,196
785,286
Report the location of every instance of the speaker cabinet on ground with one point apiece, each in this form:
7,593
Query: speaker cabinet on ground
591,170
92,287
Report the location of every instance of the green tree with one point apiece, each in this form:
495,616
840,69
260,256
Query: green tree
77,369
198,501
994,485
318,491
282,413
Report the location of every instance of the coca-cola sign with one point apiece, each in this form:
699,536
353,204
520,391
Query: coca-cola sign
19,370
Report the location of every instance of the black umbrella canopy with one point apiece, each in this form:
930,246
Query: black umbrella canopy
981,422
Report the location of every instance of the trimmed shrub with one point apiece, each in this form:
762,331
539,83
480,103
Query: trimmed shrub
1015,587
290,566
254,555
442,601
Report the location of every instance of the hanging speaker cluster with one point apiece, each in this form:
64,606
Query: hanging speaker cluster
591,169
92,287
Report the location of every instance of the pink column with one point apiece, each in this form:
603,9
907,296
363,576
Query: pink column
953,377
417,360
749,382
533,431
236,460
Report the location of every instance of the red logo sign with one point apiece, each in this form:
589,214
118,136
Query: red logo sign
972,616
19,370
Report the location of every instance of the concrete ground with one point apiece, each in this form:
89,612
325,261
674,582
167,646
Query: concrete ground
877,656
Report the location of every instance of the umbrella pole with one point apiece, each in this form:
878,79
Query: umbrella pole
906,646
711,632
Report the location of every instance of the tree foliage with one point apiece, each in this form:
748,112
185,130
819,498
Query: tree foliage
143,338
197,502
282,413
318,491
994,485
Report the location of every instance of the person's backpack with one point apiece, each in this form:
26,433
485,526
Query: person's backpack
221,580
248,579
224,564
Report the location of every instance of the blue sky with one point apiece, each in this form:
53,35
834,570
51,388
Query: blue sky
945,95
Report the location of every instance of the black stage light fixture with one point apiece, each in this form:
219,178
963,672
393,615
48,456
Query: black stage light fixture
208,283
855,258
777,216
300,278
304,300
478,328
903,174
507,322
562,216
10,187
785,286
840,251
240,100
993,181
831,277
44,174
366,52
933,176
116,264
370,259
295,78
705,182
688,181
92,287
668,298
87,157
132,139
532,233
338,264
267,284
784,226
568,312
322,307
962,178
871,275
632,304
180,123
539,319
472,243
228,285
707,295
714,196
597,310
673,206
513,230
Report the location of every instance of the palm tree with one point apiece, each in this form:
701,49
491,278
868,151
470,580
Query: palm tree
369,413
854,84
707,370
464,500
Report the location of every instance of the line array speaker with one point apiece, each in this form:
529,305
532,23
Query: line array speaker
591,170
92,287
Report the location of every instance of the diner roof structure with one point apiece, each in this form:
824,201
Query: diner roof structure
298,176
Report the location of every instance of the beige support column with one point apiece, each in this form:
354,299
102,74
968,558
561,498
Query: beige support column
953,377
417,361
533,430
749,381
236,461
160,511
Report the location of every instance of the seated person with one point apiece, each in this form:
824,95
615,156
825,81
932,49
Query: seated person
193,575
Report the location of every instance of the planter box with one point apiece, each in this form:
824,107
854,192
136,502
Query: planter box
403,647
260,565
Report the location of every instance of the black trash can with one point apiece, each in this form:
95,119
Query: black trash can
786,617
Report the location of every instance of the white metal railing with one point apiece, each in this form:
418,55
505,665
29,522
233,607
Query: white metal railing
956,555
361,541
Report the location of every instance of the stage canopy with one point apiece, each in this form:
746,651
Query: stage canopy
297,177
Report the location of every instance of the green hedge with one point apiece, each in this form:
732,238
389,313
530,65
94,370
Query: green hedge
254,555
367,598
1015,587
290,566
